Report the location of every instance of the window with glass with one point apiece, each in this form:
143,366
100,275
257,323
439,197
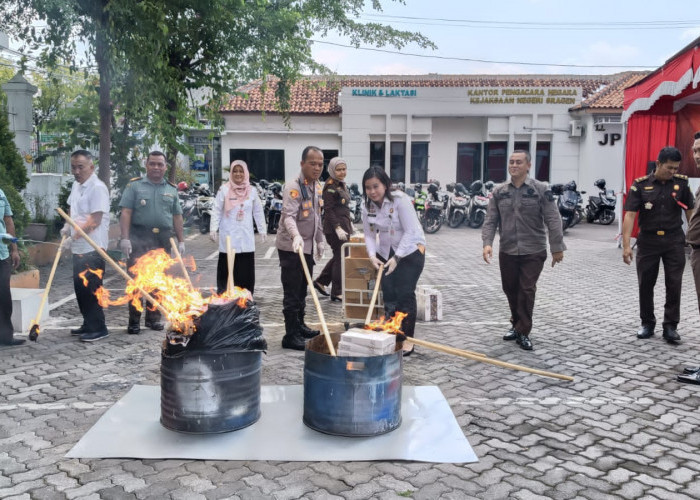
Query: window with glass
468,162
265,164
377,152
419,162
328,155
398,162
496,161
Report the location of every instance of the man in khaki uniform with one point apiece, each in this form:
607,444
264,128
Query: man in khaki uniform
151,211
300,227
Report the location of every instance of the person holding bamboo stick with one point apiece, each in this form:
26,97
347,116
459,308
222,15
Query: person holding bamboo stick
236,205
393,237
9,260
89,207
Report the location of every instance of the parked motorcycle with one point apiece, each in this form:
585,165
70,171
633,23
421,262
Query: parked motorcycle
601,208
355,204
273,207
204,206
419,198
478,203
569,203
435,205
457,205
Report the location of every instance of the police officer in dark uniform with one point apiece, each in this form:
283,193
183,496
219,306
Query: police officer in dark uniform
660,198
151,211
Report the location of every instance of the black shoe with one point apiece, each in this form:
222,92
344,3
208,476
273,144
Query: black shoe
78,331
133,329
155,325
320,289
689,378
307,332
408,353
671,336
511,335
524,342
688,370
335,298
93,336
645,331
13,342
293,342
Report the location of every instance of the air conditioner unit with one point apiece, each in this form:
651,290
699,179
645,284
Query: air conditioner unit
575,128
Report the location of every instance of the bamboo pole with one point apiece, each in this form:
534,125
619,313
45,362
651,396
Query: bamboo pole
34,332
111,262
176,251
380,272
230,261
321,317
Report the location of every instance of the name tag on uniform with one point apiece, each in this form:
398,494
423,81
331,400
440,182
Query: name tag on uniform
648,188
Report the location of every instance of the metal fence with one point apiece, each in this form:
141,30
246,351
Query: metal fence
58,163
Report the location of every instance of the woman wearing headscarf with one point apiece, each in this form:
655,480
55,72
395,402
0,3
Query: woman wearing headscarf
236,205
337,226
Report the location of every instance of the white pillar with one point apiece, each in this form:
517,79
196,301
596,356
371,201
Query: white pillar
19,109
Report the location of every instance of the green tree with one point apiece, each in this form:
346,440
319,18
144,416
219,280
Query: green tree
13,175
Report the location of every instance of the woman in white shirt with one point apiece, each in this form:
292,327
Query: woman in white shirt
393,237
236,205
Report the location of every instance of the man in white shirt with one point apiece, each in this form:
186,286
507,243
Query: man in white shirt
89,208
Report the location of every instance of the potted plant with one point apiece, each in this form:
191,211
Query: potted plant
26,275
38,228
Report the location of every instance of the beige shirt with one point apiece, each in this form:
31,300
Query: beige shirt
693,236
523,216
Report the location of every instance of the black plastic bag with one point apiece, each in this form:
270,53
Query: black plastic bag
224,327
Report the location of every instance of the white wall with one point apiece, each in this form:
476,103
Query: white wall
599,160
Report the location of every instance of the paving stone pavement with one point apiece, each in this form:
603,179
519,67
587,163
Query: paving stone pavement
623,429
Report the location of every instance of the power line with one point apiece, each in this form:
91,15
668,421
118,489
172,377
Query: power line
466,59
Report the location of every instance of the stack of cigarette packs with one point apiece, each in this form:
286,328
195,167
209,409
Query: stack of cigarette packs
358,342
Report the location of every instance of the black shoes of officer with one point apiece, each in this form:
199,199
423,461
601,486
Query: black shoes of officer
320,289
12,342
645,332
305,331
293,338
689,370
511,335
524,342
293,342
94,336
78,331
155,325
133,329
689,378
671,335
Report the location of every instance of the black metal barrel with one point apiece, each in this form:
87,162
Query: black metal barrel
351,395
210,392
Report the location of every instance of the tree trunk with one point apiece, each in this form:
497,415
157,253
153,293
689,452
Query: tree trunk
105,106
171,149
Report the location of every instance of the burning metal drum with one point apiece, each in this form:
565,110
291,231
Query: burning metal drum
210,391
351,395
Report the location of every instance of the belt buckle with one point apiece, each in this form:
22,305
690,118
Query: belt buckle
156,230
660,233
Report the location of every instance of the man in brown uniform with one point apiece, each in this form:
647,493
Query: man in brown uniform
300,227
522,210
660,198
692,375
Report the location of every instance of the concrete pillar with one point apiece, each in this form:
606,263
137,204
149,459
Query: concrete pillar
19,109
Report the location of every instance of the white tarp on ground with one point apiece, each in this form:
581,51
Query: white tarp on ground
131,429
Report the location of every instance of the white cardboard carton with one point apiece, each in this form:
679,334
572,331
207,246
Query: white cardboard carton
377,340
429,301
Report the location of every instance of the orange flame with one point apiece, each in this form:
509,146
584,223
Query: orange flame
392,325
96,272
183,303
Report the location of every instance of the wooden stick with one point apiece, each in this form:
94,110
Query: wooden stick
485,359
111,262
230,260
48,285
374,295
173,244
324,326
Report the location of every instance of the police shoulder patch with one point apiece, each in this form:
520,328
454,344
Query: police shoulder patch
294,193
329,181
330,190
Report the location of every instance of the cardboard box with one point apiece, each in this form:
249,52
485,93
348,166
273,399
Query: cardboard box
360,312
376,341
359,268
356,284
429,303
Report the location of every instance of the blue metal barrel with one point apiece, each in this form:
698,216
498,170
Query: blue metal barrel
210,392
351,396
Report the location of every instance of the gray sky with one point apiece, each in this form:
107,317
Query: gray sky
631,34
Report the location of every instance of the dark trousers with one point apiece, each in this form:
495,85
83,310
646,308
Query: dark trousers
93,315
331,272
143,240
695,264
519,275
294,282
669,249
243,272
399,290
6,329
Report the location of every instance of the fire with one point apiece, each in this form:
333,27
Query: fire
96,272
392,325
174,294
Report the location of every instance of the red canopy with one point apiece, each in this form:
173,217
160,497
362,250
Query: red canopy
661,110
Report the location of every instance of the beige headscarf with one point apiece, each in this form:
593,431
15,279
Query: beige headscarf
237,193
332,166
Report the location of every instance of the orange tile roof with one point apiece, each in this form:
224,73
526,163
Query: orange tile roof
319,94
611,97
